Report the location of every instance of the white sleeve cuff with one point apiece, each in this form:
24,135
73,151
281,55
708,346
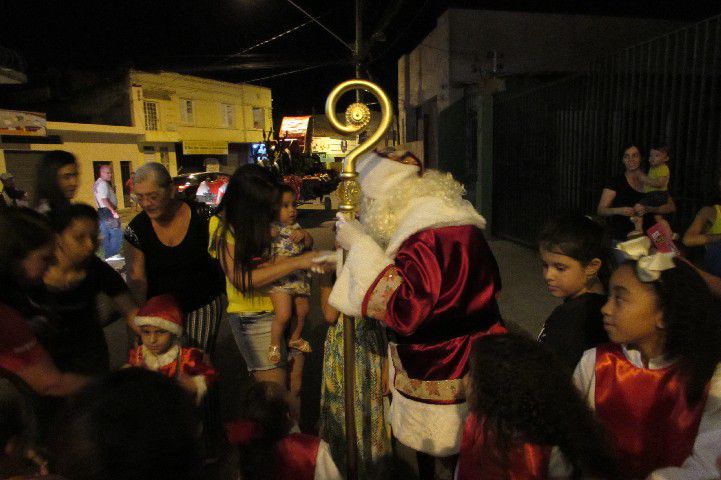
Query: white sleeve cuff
325,467
364,262
200,388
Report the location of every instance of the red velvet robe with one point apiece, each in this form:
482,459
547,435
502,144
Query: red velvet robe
479,460
438,296
645,412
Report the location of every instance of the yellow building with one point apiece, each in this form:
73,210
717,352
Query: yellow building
189,119
178,120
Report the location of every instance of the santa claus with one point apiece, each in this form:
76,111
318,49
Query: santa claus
418,263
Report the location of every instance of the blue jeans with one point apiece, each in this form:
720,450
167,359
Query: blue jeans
111,233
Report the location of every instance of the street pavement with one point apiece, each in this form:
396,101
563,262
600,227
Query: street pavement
524,304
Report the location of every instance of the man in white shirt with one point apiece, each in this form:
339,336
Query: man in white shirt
107,202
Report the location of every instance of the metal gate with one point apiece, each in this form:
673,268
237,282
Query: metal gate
556,146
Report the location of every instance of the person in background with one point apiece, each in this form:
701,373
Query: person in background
655,186
11,195
72,291
26,251
705,231
657,388
28,373
576,268
129,424
56,181
270,444
130,191
107,202
290,295
622,193
166,249
526,419
160,322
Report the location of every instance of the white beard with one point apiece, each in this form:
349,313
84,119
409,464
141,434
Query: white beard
382,216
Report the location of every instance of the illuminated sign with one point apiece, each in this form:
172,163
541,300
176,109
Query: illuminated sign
294,127
205,147
15,122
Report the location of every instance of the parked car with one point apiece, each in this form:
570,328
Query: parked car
205,187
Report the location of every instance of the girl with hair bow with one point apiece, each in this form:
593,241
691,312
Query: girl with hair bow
657,388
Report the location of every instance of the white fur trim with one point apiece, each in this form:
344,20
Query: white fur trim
428,428
159,322
201,388
377,174
154,362
424,213
365,261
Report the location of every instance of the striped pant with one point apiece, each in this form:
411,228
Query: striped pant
201,331
202,325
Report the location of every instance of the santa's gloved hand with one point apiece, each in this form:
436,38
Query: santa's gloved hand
348,232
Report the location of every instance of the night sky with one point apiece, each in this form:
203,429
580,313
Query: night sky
207,37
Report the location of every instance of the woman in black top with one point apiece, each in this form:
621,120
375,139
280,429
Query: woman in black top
166,249
73,290
624,192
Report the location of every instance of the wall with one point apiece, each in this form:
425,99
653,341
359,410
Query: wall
168,89
89,143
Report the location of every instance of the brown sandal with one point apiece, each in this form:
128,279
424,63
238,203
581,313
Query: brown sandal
300,345
274,354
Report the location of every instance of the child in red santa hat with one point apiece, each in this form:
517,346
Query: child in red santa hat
161,324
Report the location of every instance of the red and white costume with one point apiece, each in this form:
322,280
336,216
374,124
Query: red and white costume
300,456
163,312
19,349
656,433
479,460
433,282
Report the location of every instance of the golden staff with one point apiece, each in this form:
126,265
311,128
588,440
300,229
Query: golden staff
358,117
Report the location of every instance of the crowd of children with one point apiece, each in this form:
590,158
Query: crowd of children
624,380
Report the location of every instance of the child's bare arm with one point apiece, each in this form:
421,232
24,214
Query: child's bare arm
330,314
300,235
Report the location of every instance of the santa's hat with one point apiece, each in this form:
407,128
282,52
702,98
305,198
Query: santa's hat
162,312
378,174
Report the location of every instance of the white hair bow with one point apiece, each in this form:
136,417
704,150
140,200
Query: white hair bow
648,266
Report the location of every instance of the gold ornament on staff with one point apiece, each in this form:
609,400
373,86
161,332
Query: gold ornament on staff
358,117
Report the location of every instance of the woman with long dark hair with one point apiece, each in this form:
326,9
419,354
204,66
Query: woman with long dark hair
625,191
241,240
56,181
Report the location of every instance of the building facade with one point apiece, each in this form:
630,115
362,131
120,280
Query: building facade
446,85
181,121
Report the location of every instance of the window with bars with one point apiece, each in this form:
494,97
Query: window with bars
227,115
186,111
258,118
151,115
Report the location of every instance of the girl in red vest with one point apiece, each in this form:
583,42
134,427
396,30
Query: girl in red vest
657,387
526,420
270,445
